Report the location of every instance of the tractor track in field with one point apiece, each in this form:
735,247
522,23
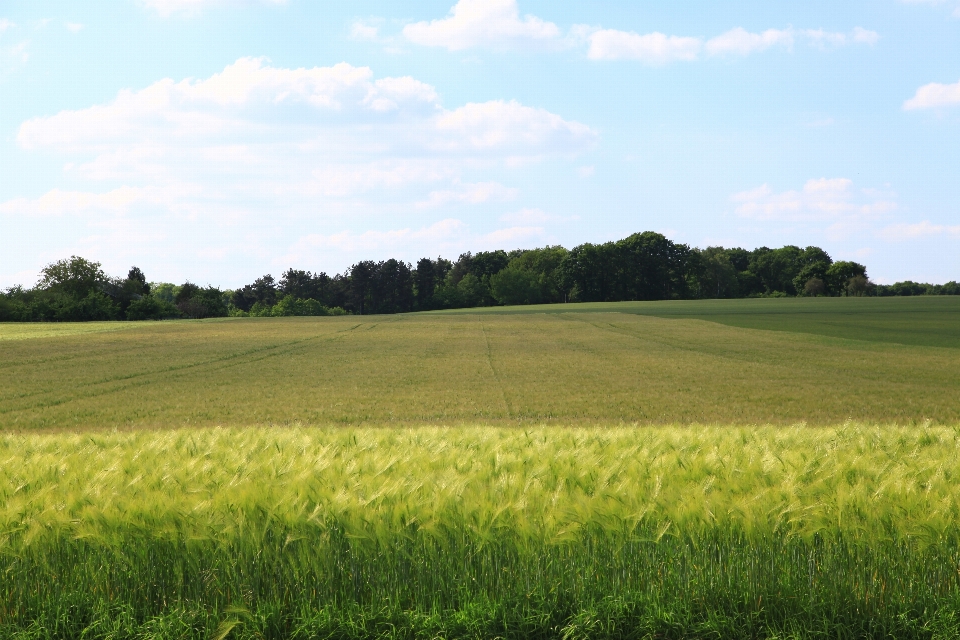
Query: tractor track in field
493,369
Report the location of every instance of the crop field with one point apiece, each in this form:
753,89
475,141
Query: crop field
575,368
731,469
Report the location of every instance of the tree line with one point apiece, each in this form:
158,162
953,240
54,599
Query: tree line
644,266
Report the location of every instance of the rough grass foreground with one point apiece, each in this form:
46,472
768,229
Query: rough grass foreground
670,532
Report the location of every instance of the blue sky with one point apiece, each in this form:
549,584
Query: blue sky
218,140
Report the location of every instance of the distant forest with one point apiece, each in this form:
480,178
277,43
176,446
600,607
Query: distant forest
645,266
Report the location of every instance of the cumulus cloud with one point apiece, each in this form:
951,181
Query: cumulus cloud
251,101
822,201
253,152
74,27
167,8
934,95
495,24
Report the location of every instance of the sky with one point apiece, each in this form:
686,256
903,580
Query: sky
220,140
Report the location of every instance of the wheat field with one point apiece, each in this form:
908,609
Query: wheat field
598,474
492,368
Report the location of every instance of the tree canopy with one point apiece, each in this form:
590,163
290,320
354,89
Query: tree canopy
643,266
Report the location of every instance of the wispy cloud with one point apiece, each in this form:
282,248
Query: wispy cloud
739,41
914,231
823,201
449,236
362,31
167,8
477,193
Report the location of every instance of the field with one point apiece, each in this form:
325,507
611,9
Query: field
740,469
583,368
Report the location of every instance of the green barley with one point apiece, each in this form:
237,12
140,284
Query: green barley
477,532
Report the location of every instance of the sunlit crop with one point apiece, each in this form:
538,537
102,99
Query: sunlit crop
302,532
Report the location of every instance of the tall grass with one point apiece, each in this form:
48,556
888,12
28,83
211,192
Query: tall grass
482,532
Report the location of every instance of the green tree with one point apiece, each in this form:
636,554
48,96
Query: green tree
515,285
717,274
840,273
75,277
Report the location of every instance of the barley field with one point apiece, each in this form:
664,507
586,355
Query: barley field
482,532
587,472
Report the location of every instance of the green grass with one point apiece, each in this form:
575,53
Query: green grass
717,469
932,321
478,532
494,367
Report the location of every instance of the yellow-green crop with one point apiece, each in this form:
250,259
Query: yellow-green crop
310,532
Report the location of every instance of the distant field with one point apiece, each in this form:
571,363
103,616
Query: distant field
727,362
932,321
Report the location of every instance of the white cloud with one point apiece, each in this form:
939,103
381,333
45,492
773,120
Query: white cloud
900,232
652,48
820,199
586,171
823,201
934,95
658,48
5,24
246,160
483,23
74,27
363,31
742,42
167,8
509,127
